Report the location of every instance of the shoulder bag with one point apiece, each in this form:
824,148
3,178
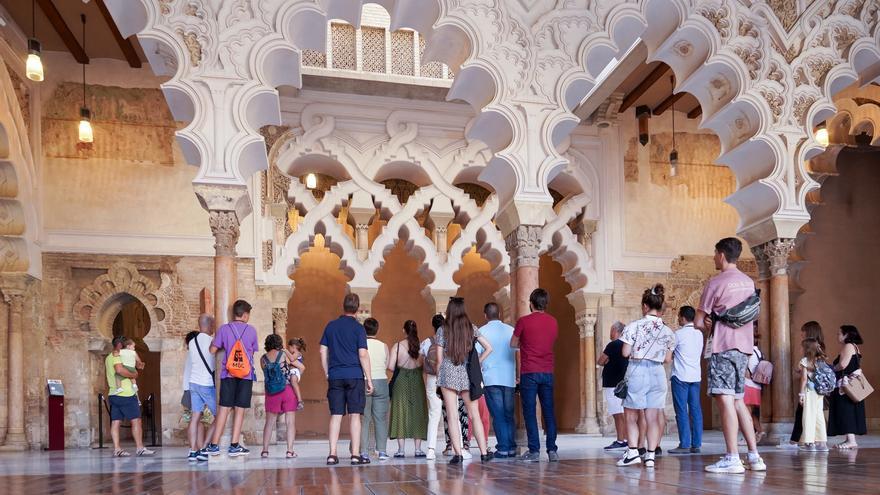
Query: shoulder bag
475,372
622,388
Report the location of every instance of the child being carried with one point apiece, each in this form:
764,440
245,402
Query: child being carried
295,349
131,361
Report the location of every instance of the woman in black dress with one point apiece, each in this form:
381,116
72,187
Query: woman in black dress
846,417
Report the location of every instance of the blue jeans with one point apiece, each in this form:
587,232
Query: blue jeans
688,415
499,400
533,387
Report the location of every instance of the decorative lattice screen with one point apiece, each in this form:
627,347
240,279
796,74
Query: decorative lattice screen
432,69
373,49
343,46
312,58
402,55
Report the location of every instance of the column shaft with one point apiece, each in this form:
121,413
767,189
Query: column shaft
15,438
780,337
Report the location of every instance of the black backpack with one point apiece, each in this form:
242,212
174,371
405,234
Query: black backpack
741,314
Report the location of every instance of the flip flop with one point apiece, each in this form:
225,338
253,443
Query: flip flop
291,454
332,460
264,454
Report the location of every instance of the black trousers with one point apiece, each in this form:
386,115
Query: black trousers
798,429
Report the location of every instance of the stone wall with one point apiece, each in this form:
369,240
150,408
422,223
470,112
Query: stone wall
76,349
681,215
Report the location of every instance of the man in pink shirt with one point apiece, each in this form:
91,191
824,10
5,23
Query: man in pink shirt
730,349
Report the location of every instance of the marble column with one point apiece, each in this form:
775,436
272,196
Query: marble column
587,330
225,228
227,206
777,252
763,323
14,295
523,245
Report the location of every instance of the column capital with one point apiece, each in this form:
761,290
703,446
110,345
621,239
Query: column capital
763,262
586,323
279,321
225,228
524,246
777,252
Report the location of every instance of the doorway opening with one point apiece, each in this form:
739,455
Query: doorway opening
133,321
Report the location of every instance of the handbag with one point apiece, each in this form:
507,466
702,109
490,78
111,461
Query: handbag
475,373
856,387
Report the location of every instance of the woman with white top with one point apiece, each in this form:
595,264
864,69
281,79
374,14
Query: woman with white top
648,343
378,403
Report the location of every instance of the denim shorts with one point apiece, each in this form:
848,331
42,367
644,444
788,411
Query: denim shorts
646,385
202,396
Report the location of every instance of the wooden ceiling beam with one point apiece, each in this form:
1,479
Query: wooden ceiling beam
695,112
63,31
124,43
668,102
643,86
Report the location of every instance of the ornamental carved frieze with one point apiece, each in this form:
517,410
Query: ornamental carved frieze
99,303
786,11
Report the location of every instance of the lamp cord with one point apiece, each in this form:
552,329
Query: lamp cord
83,17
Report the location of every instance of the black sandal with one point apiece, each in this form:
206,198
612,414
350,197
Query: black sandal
332,460
357,460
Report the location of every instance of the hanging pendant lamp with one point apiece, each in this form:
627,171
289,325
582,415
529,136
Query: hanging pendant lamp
86,135
34,64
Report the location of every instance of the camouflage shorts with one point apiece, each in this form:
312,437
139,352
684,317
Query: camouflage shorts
727,373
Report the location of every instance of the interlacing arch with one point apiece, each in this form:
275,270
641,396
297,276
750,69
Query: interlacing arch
361,162
762,85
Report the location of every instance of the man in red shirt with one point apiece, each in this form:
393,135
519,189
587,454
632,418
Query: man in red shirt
534,336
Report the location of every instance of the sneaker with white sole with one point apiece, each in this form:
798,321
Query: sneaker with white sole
629,458
430,455
756,463
727,465
649,460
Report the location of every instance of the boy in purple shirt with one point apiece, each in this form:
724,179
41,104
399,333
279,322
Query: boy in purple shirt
235,393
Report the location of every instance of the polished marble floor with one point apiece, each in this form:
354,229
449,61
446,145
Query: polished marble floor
584,468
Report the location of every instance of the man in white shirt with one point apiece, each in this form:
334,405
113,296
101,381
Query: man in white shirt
686,383
499,380
200,367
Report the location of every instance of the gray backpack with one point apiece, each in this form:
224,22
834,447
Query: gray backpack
824,380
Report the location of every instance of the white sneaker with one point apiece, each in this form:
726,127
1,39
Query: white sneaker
649,460
630,457
466,454
431,455
756,463
728,465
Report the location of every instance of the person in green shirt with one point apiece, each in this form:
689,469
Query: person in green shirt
123,401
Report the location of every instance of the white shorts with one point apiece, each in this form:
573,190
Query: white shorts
615,405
